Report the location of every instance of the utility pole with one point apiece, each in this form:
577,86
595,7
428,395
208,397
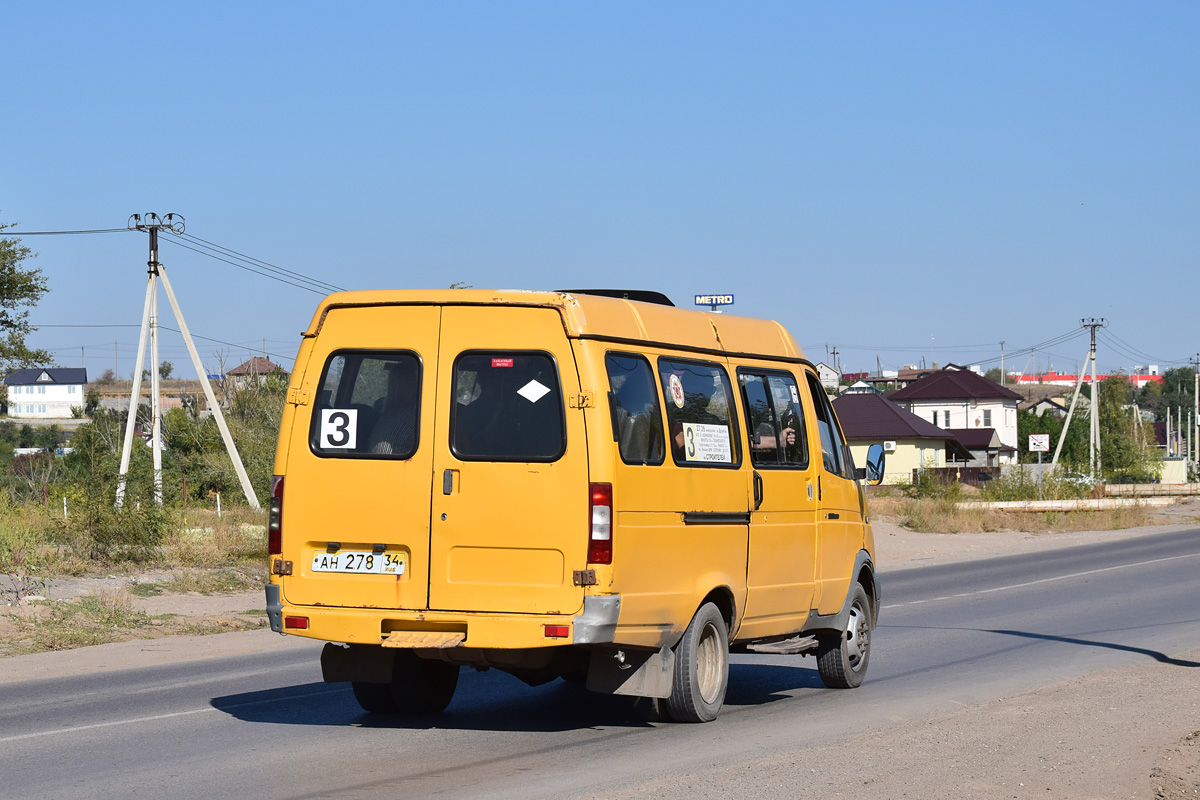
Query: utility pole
1196,409
1092,324
1001,363
152,224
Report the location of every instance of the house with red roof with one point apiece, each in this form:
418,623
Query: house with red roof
910,442
959,401
255,370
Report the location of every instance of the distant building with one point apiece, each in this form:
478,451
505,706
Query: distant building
255,370
829,377
45,392
959,400
1055,407
1138,379
909,442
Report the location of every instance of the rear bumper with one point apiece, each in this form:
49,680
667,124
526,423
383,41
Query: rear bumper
595,625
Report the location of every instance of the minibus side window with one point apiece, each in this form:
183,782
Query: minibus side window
368,406
831,439
775,424
507,406
636,416
700,424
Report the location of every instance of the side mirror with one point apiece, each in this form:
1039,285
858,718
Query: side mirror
875,459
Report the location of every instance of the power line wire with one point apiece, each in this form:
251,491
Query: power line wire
5,232
260,262
249,269
227,344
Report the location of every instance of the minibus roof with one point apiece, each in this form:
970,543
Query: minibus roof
590,316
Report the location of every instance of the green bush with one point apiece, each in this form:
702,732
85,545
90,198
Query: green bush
98,531
930,484
1019,484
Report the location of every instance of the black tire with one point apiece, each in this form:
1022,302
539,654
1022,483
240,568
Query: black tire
418,686
701,668
375,698
422,686
842,658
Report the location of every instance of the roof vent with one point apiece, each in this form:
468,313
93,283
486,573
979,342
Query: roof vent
639,295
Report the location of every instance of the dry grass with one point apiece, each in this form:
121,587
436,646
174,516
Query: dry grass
202,581
238,537
107,616
942,515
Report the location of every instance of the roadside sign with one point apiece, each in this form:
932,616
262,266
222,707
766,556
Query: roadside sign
1039,443
714,300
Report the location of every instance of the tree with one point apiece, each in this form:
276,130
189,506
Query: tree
994,375
20,290
165,369
1178,387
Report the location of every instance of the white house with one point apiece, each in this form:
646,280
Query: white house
959,400
828,376
45,393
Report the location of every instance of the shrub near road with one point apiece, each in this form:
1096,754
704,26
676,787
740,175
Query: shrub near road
930,505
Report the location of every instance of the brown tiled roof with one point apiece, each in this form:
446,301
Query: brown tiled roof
980,439
868,416
953,385
256,366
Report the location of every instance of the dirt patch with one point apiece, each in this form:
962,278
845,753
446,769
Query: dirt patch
1177,773
82,612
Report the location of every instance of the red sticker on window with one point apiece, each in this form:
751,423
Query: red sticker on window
502,362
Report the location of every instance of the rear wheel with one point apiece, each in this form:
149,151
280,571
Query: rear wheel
701,668
422,686
418,686
842,657
375,698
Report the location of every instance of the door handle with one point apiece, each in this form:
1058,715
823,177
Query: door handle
833,515
758,490
448,482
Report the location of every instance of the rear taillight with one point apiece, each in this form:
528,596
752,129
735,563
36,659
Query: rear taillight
275,517
600,527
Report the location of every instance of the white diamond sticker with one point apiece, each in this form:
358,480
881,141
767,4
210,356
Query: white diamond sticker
533,391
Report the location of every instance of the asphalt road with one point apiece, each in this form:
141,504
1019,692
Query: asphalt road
264,726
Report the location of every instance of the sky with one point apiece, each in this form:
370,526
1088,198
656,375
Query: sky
904,182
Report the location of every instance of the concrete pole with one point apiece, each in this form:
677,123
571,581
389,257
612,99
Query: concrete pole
1066,425
1168,431
155,402
135,390
247,489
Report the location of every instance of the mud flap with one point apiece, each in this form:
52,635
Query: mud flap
363,663
640,673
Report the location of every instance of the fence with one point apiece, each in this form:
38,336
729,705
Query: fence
973,476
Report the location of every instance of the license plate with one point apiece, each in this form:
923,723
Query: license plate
361,562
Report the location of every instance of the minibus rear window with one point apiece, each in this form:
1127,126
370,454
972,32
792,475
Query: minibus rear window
507,406
700,424
636,416
368,406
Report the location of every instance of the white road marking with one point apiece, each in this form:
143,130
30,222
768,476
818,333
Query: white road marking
1035,583
137,720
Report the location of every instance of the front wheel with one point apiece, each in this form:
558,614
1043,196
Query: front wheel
842,657
701,668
